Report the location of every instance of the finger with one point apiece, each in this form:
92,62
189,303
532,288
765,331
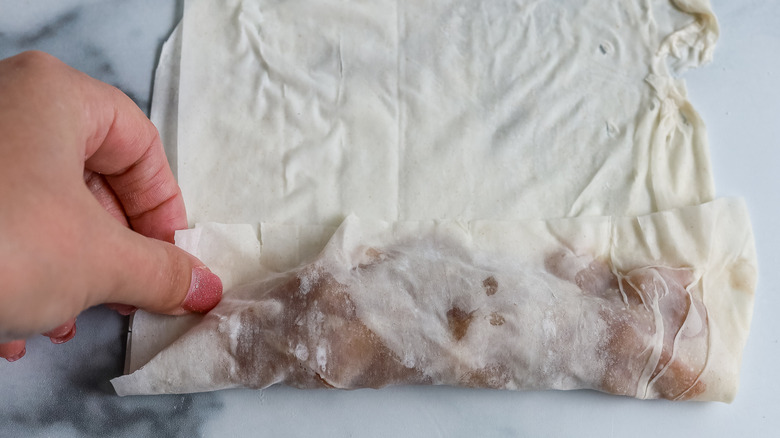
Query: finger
122,309
125,147
13,351
112,136
100,189
151,274
62,333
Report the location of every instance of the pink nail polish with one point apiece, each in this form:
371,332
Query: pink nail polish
205,291
66,337
18,356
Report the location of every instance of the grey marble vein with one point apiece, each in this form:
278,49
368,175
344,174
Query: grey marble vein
115,41
62,390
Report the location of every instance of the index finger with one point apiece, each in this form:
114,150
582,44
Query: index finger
124,146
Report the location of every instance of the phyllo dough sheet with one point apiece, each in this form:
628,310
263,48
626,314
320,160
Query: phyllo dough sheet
491,118
302,112
654,306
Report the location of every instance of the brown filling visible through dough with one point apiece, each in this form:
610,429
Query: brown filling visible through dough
627,310
317,340
341,352
672,378
491,285
459,320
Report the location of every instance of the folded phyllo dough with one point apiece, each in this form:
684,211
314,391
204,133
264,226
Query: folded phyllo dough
650,307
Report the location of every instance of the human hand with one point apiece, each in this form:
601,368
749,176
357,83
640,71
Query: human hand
88,207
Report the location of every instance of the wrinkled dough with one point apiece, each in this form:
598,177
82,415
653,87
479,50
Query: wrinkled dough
649,306
485,327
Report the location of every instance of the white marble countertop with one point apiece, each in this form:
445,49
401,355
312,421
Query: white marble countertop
63,390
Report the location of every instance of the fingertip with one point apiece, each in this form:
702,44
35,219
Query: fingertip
13,351
63,333
159,277
122,309
64,338
205,291
18,356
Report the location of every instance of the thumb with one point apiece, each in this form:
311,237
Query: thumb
157,276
